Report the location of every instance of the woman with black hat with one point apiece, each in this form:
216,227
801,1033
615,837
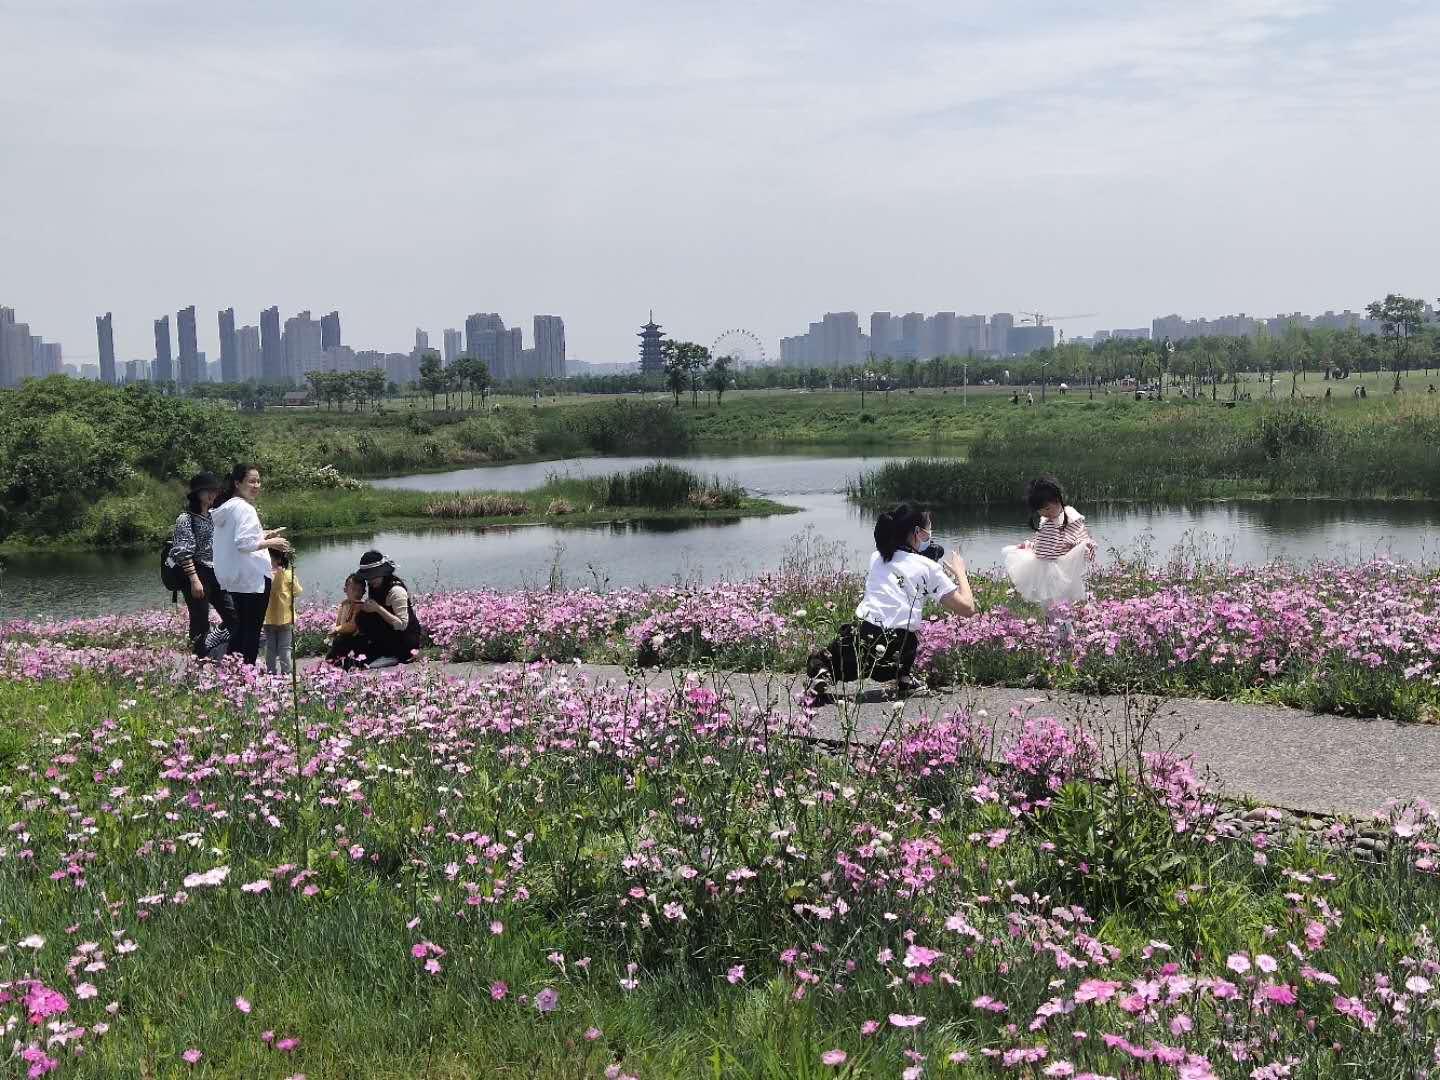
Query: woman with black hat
192,552
386,620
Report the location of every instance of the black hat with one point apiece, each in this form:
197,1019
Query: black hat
372,563
205,481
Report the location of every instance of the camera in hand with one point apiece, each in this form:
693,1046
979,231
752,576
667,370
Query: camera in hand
934,553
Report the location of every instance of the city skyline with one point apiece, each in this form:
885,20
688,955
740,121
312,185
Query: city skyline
1105,157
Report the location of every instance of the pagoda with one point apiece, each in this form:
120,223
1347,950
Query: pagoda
651,359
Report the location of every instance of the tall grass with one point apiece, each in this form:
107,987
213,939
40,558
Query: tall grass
1185,452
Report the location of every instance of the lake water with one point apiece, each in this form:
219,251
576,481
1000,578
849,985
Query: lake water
666,552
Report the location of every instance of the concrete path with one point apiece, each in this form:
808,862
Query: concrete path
1276,756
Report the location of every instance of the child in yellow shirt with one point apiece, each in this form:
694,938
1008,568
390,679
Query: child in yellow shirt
280,614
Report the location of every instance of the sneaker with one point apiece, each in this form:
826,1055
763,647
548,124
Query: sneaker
909,686
817,690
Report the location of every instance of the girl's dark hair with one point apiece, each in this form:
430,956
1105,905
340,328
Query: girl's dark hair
281,557
232,478
893,528
356,578
192,502
1042,492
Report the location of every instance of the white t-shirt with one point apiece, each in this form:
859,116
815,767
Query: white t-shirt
241,566
896,591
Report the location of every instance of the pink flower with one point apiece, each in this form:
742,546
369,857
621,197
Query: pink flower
1418,984
498,990
921,957
192,1056
85,991
242,1005
41,1002
901,1020
592,1033
869,1027
418,950
833,1057
287,1044
735,974
1266,963
432,966
547,999
1238,963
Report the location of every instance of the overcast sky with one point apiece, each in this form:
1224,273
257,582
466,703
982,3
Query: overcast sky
738,164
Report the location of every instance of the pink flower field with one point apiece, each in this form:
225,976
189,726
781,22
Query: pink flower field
1357,639
415,875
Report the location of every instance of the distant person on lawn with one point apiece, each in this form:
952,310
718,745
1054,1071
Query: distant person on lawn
387,620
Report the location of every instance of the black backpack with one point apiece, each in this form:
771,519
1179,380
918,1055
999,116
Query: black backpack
171,576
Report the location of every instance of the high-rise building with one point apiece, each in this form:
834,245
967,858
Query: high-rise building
652,360
549,347
304,347
912,330
972,335
840,339
189,366
248,365
422,340
942,333
880,346
229,359
1001,323
1023,340
16,352
512,349
134,370
105,332
164,370
454,346
330,330
272,347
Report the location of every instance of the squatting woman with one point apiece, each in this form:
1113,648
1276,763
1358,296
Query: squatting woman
901,578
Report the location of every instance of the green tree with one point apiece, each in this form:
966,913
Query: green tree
719,376
684,360
432,376
1400,319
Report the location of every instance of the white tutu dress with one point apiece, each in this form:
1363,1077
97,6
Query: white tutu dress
1049,581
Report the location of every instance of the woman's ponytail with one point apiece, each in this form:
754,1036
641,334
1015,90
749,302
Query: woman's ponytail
893,529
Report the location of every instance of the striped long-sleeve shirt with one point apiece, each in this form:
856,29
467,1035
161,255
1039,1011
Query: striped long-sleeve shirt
192,541
1056,538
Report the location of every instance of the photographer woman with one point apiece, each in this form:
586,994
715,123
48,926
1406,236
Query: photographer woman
906,570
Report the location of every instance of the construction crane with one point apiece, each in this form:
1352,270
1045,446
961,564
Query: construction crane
1039,318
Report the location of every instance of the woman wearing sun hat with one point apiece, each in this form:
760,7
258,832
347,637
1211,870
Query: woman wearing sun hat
386,619
192,552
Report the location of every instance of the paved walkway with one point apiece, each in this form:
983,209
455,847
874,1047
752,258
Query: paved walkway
1276,756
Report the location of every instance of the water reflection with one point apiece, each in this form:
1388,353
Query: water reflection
664,552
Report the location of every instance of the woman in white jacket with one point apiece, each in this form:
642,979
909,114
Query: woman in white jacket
242,557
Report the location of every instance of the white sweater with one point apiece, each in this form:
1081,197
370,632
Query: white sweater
241,565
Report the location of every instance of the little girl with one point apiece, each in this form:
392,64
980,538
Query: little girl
345,638
1051,568
280,614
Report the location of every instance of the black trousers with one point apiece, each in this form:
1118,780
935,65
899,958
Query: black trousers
199,610
866,651
249,617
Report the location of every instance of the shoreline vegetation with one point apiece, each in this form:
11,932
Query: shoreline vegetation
90,466
655,493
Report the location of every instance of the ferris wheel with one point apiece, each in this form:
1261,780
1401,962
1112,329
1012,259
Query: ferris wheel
742,346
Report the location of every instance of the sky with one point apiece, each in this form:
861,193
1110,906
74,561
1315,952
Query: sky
738,165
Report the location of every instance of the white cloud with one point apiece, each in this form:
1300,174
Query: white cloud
739,164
